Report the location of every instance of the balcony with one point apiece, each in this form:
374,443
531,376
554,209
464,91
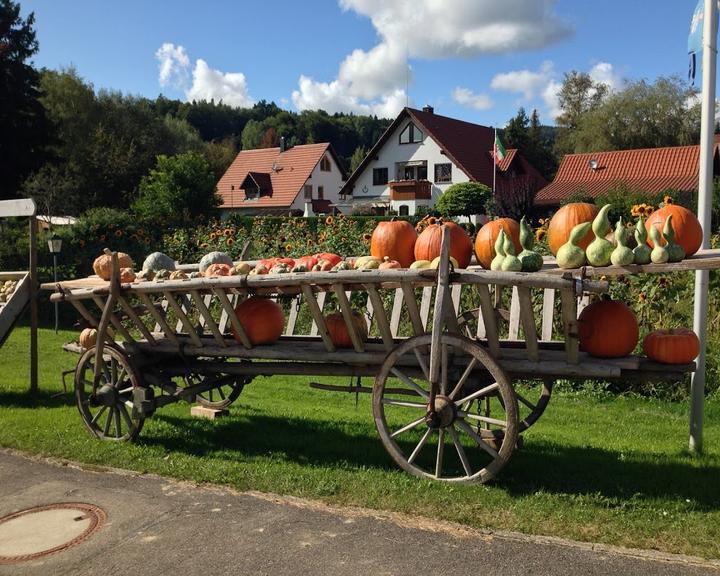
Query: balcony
410,189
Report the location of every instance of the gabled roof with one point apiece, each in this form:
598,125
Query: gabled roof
648,169
464,143
259,180
282,173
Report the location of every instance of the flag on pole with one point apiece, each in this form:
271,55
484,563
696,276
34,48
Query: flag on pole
695,40
499,151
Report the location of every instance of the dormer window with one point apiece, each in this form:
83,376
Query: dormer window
325,165
411,134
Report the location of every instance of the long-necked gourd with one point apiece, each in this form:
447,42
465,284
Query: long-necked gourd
510,263
599,250
659,254
622,255
531,261
496,262
570,255
641,253
675,252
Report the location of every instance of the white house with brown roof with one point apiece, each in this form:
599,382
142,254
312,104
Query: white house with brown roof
421,154
281,181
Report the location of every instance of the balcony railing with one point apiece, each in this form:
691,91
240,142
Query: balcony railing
410,189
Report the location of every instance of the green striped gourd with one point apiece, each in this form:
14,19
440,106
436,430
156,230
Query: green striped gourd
675,252
641,253
570,255
531,261
510,263
659,254
496,263
599,251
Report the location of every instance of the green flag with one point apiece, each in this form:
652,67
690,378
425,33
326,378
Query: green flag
499,151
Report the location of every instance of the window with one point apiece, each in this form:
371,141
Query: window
412,170
252,193
443,173
380,176
325,165
403,210
321,193
411,134
308,191
422,172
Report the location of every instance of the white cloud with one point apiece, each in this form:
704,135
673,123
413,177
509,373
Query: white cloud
428,29
466,97
550,97
207,83
526,82
174,64
603,73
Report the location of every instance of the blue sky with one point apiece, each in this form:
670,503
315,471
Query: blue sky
477,60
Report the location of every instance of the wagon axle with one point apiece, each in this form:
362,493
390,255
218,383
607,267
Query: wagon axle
443,415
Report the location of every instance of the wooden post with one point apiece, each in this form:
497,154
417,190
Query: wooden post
33,307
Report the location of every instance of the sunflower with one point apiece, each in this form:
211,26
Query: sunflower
668,200
229,242
288,247
540,234
118,233
432,220
642,297
649,210
212,235
310,242
228,232
204,245
101,238
329,220
367,237
81,243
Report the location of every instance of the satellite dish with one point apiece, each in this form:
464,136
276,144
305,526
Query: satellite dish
593,164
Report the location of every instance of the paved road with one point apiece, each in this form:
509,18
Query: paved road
159,526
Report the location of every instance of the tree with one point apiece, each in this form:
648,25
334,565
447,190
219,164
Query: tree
578,95
23,124
54,191
464,199
516,132
251,135
357,157
177,191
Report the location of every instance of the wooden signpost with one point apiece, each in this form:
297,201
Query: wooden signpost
24,207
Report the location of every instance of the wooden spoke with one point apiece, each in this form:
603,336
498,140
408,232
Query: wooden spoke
99,413
444,370
461,451
226,390
419,446
118,427
485,419
479,441
390,402
410,382
482,392
525,401
407,427
106,430
123,411
463,378
440,450
423,363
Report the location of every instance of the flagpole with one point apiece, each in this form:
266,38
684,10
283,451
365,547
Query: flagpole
709,60
494,159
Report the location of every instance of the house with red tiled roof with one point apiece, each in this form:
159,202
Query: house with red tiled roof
651,170
283,181
422,153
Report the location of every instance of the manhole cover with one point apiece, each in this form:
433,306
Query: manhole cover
44,530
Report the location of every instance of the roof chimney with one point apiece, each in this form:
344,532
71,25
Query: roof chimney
282,143
429,109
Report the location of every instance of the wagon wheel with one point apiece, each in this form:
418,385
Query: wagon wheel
467,323
229,387
108,414
445,447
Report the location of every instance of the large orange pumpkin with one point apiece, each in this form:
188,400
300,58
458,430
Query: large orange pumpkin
688,232
608,329
428,243
675,346
394,239
88,338
487,235
102,266
565,219
215,270
262,320
339,331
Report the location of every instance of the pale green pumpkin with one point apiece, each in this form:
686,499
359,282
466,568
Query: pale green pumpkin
599,251
659,254
622,255
641,253
531,261
675,252
496,263
510,263
570,255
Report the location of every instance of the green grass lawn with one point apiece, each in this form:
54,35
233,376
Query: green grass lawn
596,468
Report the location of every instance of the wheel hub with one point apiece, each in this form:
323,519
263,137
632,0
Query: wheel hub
444,414
107,396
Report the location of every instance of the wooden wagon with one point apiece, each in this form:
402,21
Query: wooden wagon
444,352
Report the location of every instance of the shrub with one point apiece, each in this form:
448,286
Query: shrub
464,199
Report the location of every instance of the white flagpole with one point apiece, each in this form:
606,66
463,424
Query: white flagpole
494,159
709,59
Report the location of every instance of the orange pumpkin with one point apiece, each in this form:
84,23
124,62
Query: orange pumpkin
88,337
102,265
608,329
388,264
394,239
674,346
428,243
334,259
688,232
215,270
307,261
487,235
127,275
339,331
565,219
262,320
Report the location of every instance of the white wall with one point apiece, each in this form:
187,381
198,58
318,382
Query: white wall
390,153
331,182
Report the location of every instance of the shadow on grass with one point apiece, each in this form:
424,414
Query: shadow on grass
538,467
39,399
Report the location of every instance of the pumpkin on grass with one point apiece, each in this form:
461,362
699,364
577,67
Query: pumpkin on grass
688,232
396,240
488,235
608,329
88,338
565,219
338,330
261,319
427,246
674,346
